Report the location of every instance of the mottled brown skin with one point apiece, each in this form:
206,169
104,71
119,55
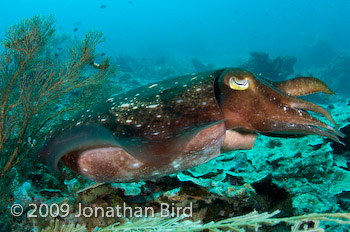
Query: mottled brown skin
303,86
180,123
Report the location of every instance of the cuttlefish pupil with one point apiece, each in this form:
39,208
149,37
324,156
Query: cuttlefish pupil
163,132
237,84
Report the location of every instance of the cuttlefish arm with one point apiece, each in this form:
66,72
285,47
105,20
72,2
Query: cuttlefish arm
250,104
302,86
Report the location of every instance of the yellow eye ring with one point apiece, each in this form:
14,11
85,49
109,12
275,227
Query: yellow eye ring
238,84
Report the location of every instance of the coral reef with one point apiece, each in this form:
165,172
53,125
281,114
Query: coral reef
275,68
321,53
200,67
334,72
341,149
340,68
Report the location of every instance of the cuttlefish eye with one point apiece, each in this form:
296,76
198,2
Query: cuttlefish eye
237,84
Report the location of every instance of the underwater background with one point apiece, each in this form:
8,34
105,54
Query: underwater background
149,41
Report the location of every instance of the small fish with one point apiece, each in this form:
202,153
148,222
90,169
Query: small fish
103,6
76,29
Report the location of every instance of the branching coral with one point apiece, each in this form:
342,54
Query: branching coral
32,84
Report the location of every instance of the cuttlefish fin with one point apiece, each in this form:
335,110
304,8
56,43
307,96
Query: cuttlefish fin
301,86
74,140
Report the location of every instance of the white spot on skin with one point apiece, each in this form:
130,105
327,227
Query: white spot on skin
158,116
156,133
136,165
198,89
109,100
128,121
78,123
138,125
285,108
176,163
125,105
155,173
152,86
103,119
85,169
152,106
179,101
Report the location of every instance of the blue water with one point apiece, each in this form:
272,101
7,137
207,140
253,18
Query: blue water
213,31
219,33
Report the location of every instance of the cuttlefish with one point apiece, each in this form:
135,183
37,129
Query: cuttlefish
176,124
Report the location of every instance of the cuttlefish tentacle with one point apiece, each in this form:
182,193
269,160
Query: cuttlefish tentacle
302,86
